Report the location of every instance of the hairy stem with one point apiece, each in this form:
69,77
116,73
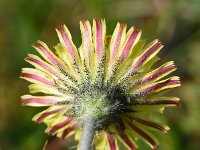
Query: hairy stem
87,136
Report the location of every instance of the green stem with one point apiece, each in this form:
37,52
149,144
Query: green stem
87,136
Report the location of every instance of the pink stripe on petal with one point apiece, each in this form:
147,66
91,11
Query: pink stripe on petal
117,41
59,125
68,130
37,78
42,64
46,114
87,38
48,54
158,73
99,40
67,40
143,134
44,101
129,44
162,84
111,142
145,55
152,124
126,140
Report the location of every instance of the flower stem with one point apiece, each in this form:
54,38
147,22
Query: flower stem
87,136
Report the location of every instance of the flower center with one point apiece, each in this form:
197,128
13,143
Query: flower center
104,105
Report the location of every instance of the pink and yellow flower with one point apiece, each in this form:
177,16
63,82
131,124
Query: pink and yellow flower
109,79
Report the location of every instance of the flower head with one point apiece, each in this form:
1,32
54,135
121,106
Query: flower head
108,79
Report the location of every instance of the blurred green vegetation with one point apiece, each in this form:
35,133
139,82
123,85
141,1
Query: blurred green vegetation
176,23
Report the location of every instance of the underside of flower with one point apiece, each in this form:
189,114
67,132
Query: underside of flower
108,79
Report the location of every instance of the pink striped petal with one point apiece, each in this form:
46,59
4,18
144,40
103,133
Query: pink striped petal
39,62
42,116
146,54
37,78
163,85
117,40
99,39
158,73
143,134
129,44
111,142
86,37
66,40
38,101
152,124
126,140
59,126
157,86
47,54
68,130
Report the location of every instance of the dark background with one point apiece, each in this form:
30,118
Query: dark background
175,22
